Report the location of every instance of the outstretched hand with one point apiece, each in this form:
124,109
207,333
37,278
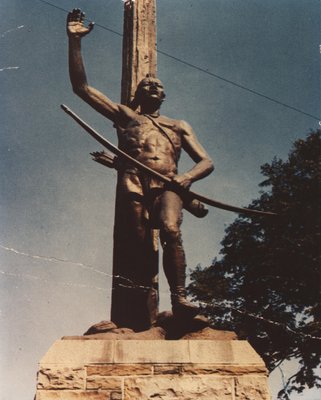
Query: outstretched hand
75,24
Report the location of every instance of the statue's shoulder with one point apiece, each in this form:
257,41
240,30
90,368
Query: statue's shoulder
171,122
126,114
126,111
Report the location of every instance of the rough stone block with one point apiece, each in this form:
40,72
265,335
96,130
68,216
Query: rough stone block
103,382
119,370
166,369
55,377
205,369
251,387
116,396
179,388
72,395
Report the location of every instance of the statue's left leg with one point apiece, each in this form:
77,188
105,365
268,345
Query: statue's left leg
173,253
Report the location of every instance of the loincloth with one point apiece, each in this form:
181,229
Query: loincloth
134,185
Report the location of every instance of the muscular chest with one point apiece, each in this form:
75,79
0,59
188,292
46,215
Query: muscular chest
144,135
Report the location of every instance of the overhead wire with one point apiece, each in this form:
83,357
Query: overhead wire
96,24
203,70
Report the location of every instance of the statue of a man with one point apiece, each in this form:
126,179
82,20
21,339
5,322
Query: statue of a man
156,141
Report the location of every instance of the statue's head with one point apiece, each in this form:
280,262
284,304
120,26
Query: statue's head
149,91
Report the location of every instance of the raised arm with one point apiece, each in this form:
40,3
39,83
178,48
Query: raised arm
76,30
204,165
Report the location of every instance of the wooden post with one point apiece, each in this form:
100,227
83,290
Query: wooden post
135,267
139,45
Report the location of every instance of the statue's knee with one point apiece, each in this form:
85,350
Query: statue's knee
170,233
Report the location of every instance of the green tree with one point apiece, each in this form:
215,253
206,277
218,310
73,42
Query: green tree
266,285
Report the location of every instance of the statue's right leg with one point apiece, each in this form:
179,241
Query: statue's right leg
134,303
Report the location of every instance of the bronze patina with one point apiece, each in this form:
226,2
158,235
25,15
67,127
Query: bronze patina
145,202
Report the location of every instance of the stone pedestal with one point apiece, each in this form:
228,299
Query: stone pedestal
152,369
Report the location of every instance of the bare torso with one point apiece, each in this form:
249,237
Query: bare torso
144,141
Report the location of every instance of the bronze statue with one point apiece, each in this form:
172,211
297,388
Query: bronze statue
156,141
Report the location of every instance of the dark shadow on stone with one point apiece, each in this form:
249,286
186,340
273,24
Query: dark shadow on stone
176,327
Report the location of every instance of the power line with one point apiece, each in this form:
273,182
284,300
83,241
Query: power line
205,71
67,11
238,85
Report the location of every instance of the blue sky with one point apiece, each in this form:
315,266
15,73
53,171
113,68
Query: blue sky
58,204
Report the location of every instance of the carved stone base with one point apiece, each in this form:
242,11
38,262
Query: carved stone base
152,369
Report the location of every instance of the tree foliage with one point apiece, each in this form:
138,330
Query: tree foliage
266,285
